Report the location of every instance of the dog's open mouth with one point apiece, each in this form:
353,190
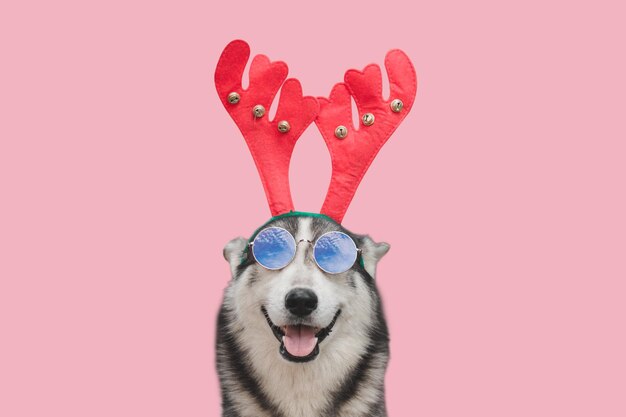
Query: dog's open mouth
298,342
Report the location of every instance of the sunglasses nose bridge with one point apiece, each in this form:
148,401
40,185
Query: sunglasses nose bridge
306,247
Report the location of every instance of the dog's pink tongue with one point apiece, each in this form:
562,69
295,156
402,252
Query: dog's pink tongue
299,340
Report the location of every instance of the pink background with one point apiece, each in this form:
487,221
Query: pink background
502,194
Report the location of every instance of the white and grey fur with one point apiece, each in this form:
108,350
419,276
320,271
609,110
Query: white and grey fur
346,379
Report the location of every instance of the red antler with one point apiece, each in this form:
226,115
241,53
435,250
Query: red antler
271,142
352,151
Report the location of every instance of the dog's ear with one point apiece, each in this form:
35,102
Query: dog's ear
372,252
233,251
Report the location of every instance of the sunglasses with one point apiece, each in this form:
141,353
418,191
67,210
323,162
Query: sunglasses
334,252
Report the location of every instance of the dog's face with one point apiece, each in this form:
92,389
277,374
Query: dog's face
297,308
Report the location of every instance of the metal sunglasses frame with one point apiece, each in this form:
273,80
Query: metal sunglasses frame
296,243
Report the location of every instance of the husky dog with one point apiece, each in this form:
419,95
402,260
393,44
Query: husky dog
301,331
299,342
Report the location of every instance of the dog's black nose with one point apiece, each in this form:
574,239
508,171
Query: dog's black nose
301,301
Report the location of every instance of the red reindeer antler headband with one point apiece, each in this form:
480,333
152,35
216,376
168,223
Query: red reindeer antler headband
271,142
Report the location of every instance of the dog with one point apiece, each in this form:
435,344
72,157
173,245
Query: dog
298,342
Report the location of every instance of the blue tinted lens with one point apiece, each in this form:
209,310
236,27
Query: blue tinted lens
335,252
274,248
